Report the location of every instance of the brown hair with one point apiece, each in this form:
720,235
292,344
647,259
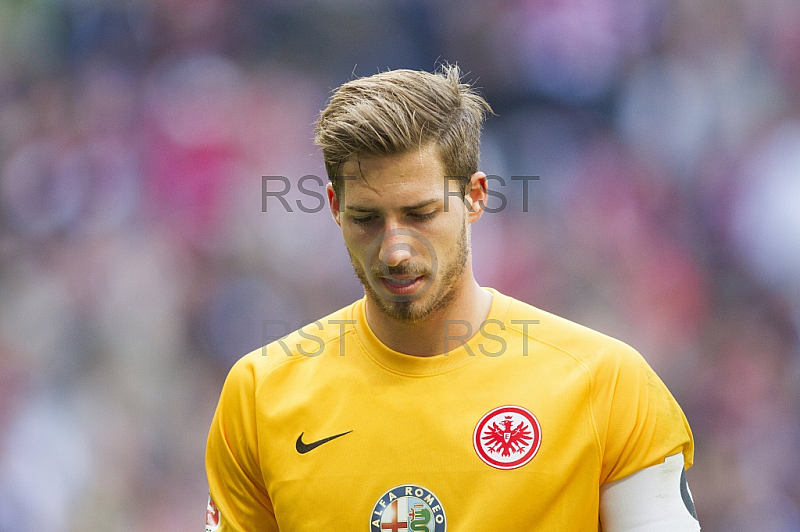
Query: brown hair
392,112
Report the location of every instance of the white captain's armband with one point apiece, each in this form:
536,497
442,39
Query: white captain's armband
654,499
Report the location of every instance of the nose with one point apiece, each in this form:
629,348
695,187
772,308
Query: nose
396,247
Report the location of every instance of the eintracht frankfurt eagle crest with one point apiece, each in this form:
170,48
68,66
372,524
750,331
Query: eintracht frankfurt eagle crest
508,437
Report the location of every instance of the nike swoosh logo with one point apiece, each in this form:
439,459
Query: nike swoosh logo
303,448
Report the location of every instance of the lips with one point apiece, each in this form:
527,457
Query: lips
402,285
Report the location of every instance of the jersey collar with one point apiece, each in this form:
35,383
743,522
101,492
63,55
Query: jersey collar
410,365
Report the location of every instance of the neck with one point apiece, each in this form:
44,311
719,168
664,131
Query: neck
442,331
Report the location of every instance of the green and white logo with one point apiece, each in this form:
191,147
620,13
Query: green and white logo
408,508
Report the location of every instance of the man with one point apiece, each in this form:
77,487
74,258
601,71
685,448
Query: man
434,403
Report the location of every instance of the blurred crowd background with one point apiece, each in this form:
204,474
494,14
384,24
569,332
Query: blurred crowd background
138,260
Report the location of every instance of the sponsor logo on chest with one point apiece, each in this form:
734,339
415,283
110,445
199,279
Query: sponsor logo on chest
408,507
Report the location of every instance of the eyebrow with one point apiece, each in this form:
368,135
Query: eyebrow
422,204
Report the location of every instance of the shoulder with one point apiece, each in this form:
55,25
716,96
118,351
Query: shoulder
309,343
590,348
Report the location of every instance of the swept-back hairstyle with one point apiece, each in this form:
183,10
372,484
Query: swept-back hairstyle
393,112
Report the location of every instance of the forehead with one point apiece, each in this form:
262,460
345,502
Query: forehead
409,174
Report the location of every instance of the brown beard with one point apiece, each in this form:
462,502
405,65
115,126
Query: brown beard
441,295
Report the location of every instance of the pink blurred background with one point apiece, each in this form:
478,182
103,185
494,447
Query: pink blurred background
136,263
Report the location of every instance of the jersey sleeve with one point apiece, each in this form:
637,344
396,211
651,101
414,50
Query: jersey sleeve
639,423
236,485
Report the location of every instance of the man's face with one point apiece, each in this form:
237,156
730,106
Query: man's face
407,240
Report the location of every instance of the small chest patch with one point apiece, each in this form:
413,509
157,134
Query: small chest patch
508,437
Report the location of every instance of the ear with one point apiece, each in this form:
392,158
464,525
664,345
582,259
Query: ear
333,201
477,194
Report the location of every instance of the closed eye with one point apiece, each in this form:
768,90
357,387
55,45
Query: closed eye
362,219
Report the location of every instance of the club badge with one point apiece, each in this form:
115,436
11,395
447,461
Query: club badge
508,437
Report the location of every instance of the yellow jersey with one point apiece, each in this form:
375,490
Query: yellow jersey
327,428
